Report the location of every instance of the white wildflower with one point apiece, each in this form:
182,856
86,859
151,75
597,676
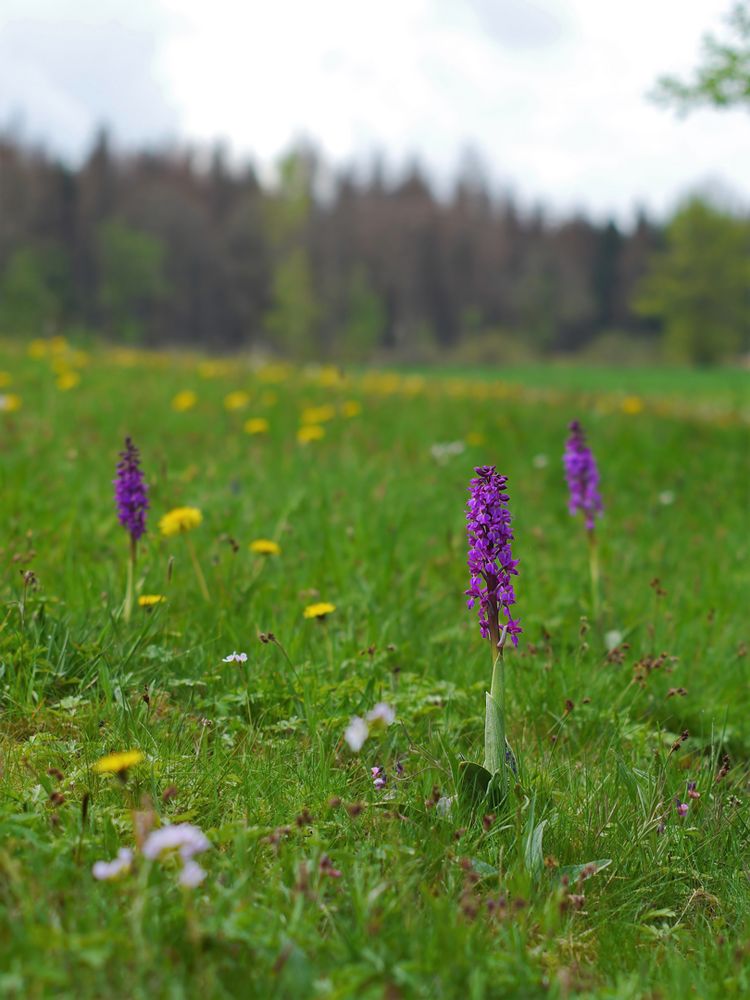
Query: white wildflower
107,871
613,639
356,733
380,716
443,452
191,875
182,837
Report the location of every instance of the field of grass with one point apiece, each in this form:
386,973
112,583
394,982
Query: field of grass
318,883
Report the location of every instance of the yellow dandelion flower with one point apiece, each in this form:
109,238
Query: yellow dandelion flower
116,763
179,520
310,432
632,405
319,610
67,380
273,374
149,600
5,379
37,348
58,345
265,547
256,425
213,369
330,376
79,359
10,403
125,357
351,408
184,400
236,400
413,385
318,414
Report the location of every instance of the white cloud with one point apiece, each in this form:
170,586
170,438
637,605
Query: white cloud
551,92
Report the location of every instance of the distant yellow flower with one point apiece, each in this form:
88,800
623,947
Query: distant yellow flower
5,379
351,408
149,600
125,357
414,385
213,369
179,520
256,425
319,610
265,547
310,432
632,405
10,403
184,400
68,380
58,345
116,763
37,348
273,374
318,414
268,398
330,376
474,438
236,400
79,359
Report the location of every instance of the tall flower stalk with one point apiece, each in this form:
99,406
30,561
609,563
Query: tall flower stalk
492,568
131,500
583,485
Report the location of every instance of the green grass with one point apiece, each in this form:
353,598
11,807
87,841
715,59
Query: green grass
429,903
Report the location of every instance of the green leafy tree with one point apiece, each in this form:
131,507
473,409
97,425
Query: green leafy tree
366,318
293,318
723,79
132,280
29,304
699,285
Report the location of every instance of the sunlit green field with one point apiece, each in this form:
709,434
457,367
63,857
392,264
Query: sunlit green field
318,883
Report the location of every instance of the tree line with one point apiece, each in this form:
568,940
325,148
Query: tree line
173,246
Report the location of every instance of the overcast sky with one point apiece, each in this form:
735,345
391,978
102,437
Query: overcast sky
550,93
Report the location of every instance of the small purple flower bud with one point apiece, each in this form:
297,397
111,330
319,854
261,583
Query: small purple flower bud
582,476
682,808
131,492
379,777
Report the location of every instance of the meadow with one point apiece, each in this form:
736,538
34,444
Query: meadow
618,864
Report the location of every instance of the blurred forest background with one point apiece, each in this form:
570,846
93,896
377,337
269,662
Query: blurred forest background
177,246
172,247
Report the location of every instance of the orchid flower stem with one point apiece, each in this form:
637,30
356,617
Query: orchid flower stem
197,567
495,742
594,571
128,608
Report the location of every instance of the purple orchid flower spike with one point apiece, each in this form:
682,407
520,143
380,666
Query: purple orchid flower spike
131,500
